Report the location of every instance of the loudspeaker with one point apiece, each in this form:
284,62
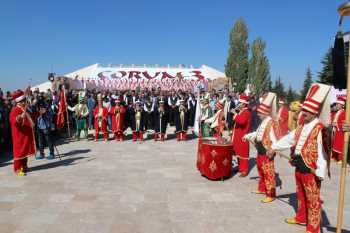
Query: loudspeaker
51,77
338,57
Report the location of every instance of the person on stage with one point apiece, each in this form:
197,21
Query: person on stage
118,116
137,122
181,120
242,125
338,138
309,156
148,108
160,122
22,127
262,138
283,115
81,113
100,115
172,100
207,113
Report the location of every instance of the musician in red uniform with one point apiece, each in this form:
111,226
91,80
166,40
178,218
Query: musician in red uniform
242,125
282,117
309,157
338,134
22,127
217,122
100,116
118,115
266,134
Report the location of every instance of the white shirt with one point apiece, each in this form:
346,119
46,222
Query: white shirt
288,141
259,133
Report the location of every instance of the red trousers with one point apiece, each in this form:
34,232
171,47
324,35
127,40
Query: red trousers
243,164
119,136
19,164
337,156
309,203
181,136
267,178
137,135
97,132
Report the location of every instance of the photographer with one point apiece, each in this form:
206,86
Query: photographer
44,126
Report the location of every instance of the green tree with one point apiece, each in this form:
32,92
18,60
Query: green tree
236,67
259,68
307,84
291,95
326,74
278,88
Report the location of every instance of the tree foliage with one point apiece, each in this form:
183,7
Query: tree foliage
259,67
236,67
326,76
307,84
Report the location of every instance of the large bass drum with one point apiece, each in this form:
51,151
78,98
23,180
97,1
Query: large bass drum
214,158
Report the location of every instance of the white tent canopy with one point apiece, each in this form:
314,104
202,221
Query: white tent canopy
132,77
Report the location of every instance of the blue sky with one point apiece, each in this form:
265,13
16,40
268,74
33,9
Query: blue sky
37,36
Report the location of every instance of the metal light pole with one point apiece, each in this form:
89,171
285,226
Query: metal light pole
344,10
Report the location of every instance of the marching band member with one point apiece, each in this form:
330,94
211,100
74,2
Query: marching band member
161,121
338,138
148,108
137,122
282,117
100,115
118,115
217,122
206,114
309,157
262,138
22,127
294,110
81,112
242,125
181,121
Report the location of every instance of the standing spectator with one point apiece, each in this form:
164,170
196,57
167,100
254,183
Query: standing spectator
91,103
44,125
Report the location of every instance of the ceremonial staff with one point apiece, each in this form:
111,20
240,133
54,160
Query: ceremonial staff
344,10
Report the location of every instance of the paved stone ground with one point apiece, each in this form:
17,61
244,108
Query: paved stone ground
146,187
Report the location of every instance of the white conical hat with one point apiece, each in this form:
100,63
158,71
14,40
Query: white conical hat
268,105
317,101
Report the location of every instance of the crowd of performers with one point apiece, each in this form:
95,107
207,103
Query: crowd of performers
301,130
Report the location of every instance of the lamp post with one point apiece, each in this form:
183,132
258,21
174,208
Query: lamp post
344,10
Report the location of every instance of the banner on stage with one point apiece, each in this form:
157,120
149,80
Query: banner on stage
131,79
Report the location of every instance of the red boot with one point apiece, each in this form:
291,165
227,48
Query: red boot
184,136
134,136
178,136
141,136
162,137
156,136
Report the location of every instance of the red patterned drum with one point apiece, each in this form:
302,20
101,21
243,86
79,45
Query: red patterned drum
214,158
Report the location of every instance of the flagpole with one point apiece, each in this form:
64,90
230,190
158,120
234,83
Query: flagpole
65,100
344,10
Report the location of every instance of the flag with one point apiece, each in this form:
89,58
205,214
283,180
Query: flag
197,120
62,108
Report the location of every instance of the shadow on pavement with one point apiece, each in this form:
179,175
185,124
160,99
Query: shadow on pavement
75,152
65,162
292,200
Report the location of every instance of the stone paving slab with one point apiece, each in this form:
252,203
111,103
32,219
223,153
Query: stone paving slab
119,187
